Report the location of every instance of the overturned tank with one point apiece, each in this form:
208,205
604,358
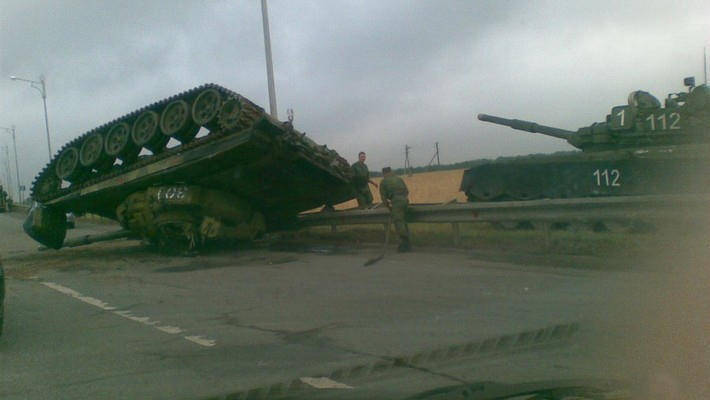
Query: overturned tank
201,165
642,148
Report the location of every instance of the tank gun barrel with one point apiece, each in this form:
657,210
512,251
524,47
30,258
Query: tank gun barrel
528,126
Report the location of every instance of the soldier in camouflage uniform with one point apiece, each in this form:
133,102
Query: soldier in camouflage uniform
394,195
361,180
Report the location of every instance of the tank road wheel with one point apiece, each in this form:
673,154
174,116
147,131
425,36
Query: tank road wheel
67,167
91,154
525,191
145,132
230,114
205,108
175,121
118,143
486,190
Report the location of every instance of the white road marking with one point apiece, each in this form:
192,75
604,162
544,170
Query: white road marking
172,330
73,293
324,383
201,340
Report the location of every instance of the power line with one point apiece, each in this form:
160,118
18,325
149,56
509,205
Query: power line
407,165
436,155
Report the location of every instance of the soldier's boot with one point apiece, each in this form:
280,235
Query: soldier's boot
404,245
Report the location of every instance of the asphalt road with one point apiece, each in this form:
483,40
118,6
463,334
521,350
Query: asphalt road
116,320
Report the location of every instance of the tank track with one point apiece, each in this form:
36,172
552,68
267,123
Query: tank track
235,113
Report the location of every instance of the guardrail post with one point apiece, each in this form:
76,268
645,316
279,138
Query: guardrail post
333,228
546,232
457,233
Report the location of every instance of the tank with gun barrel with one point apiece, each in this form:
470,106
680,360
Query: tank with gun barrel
232,172
642,148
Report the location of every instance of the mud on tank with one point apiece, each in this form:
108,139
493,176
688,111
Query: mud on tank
233,173
642,148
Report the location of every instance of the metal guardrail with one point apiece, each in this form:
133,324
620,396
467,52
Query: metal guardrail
20,207
619,209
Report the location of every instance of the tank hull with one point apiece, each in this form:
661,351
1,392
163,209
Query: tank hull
651,171
272,169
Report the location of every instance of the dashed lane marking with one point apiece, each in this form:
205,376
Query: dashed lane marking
201,341
171,330
324,383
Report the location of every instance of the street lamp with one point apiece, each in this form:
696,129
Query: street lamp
11,131
40,85
269,64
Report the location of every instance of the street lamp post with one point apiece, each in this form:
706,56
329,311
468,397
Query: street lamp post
40,85
269,64
11,131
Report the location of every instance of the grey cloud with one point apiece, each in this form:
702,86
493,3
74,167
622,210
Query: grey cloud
367,75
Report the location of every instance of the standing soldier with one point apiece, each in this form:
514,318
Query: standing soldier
361,180
394,195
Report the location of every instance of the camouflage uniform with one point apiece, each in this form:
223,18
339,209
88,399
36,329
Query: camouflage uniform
394,191
360,181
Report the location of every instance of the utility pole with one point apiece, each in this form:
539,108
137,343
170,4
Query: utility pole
269,64
11,130
7,167
41,86
436,155
407,165
705,63
438,162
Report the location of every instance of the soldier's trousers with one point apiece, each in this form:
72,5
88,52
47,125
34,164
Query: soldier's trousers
363,196
399,217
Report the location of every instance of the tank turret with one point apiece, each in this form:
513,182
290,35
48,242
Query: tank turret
640,148
642,122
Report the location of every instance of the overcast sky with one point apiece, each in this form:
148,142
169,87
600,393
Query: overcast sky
360,75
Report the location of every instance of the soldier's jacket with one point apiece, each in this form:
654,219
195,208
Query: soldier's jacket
393,188
362,174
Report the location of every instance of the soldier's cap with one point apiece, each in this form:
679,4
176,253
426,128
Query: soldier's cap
386,170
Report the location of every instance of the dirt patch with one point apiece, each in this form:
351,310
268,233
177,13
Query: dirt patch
203,264
97,257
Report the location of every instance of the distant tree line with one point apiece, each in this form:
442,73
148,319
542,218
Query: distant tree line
471,163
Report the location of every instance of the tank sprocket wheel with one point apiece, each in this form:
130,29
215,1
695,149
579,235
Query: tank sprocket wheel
117,139
206,106
91,150
230,113
67,164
